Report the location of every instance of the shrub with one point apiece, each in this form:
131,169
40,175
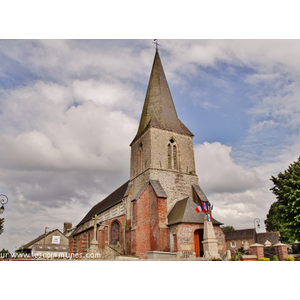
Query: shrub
275,258
234,258
216,259
290,258
264,259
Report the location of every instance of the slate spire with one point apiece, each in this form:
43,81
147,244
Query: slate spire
159,110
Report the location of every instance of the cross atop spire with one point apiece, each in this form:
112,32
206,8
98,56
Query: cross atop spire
156,43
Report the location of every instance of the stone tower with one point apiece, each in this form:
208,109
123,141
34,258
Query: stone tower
162,149
162,173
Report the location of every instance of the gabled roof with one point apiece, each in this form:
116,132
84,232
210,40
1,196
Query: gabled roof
111,200
31,243
158,189
197,189
184,211
159,110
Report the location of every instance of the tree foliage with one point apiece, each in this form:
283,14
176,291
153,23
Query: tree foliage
284,215
227,228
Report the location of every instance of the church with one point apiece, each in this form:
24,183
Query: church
155,210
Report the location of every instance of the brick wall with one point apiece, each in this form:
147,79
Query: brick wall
141,234
80,242
258,250
281,251
150,232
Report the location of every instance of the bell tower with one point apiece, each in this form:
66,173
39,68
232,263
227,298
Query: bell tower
163,146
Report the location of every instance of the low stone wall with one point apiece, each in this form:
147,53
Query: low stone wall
160,255
249,258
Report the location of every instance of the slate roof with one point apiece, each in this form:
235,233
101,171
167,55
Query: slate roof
184,211
239,234
111,200
31,243
272,237
159,109
197,189
262,237
158,189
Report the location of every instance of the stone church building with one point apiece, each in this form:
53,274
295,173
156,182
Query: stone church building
155,209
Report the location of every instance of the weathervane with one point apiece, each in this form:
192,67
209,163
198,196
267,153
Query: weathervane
156,43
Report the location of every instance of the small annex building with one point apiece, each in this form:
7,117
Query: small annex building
53,244
243,238
155,209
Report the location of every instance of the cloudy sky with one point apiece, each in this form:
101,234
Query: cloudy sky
70,108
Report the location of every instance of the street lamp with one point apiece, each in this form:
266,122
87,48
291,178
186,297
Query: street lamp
3,200
257,222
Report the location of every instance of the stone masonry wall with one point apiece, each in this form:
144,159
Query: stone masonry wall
177,183
185,237
159,153
153,145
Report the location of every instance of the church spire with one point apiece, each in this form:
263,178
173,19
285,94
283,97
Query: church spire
159,110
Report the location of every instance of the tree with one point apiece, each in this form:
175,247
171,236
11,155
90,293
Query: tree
227,228
1,225
284,215
4,254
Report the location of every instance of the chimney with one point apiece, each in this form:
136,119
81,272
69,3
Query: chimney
67,226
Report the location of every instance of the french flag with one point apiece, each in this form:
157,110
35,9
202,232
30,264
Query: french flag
204,207
209,219
198,209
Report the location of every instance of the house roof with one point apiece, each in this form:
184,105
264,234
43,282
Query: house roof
239,234
31,243
262,237
184,211
159,109
272,237
111,200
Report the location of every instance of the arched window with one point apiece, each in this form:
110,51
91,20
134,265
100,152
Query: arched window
140,158
115,232
172,155
169,157
175,165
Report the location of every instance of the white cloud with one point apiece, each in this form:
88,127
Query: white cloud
217,171
239,194
69,109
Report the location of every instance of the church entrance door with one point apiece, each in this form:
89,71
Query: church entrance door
198,239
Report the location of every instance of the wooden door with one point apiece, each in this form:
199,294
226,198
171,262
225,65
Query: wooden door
196,242
198,238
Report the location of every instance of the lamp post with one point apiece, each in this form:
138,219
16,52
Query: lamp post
257,222
3,200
